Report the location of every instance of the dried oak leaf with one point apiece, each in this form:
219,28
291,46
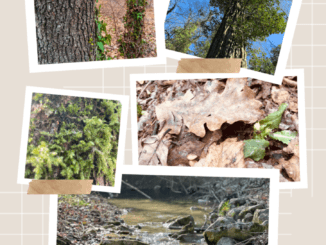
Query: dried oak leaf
280,96
229,154
236,103
151,153
292,166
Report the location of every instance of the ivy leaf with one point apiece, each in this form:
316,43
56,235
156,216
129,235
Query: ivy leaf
100,45
273,120
284,136
255,148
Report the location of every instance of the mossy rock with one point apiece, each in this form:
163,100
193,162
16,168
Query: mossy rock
234,213
213,217
260,216
180,221
213,236
222,221
116,223
250,209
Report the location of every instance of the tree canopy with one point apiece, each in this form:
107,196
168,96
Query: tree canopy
259,60
224,28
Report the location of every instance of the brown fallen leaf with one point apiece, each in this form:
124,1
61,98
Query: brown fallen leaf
293,105
295,121
153,151
229,154
293,147
292,167
235,103
266,88
249,163
280,96
192,163
209,139
179,154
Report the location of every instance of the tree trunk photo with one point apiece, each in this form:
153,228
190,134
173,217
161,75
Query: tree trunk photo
249,30
224,34
65,31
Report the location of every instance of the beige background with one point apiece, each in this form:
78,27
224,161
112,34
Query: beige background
24,219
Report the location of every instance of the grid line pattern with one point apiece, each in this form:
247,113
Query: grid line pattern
16,220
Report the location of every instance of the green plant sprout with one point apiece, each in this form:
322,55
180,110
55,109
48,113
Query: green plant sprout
225,208
255,148
139,111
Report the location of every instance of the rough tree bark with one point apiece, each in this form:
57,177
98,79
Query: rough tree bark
223,45
64,30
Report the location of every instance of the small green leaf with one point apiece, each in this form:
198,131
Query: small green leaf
273,120
100,45
284,136
255,148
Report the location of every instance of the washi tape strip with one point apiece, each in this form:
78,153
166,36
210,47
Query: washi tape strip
60,187
193,65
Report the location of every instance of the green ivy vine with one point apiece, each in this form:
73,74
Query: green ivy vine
102,37
132,42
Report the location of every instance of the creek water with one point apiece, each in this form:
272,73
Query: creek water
151,215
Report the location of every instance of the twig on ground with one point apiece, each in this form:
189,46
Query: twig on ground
289,82
135,188
183,187
144,89
215,196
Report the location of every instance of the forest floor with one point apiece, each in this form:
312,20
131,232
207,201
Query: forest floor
206,122
112,13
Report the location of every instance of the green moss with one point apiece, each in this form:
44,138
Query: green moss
212,237
77,137
73,200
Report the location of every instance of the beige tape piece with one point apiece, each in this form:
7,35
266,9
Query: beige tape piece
195,65
60,187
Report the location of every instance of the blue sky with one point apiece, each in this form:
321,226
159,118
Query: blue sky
266,46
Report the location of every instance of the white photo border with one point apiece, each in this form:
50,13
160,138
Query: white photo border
123,99
32,46
303,183
283,56
272,174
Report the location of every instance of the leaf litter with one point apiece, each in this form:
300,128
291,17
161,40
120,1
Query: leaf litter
230,123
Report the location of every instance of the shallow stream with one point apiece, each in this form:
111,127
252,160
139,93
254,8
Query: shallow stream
151,215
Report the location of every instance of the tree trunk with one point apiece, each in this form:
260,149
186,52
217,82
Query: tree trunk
64,31
238,51
223,44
